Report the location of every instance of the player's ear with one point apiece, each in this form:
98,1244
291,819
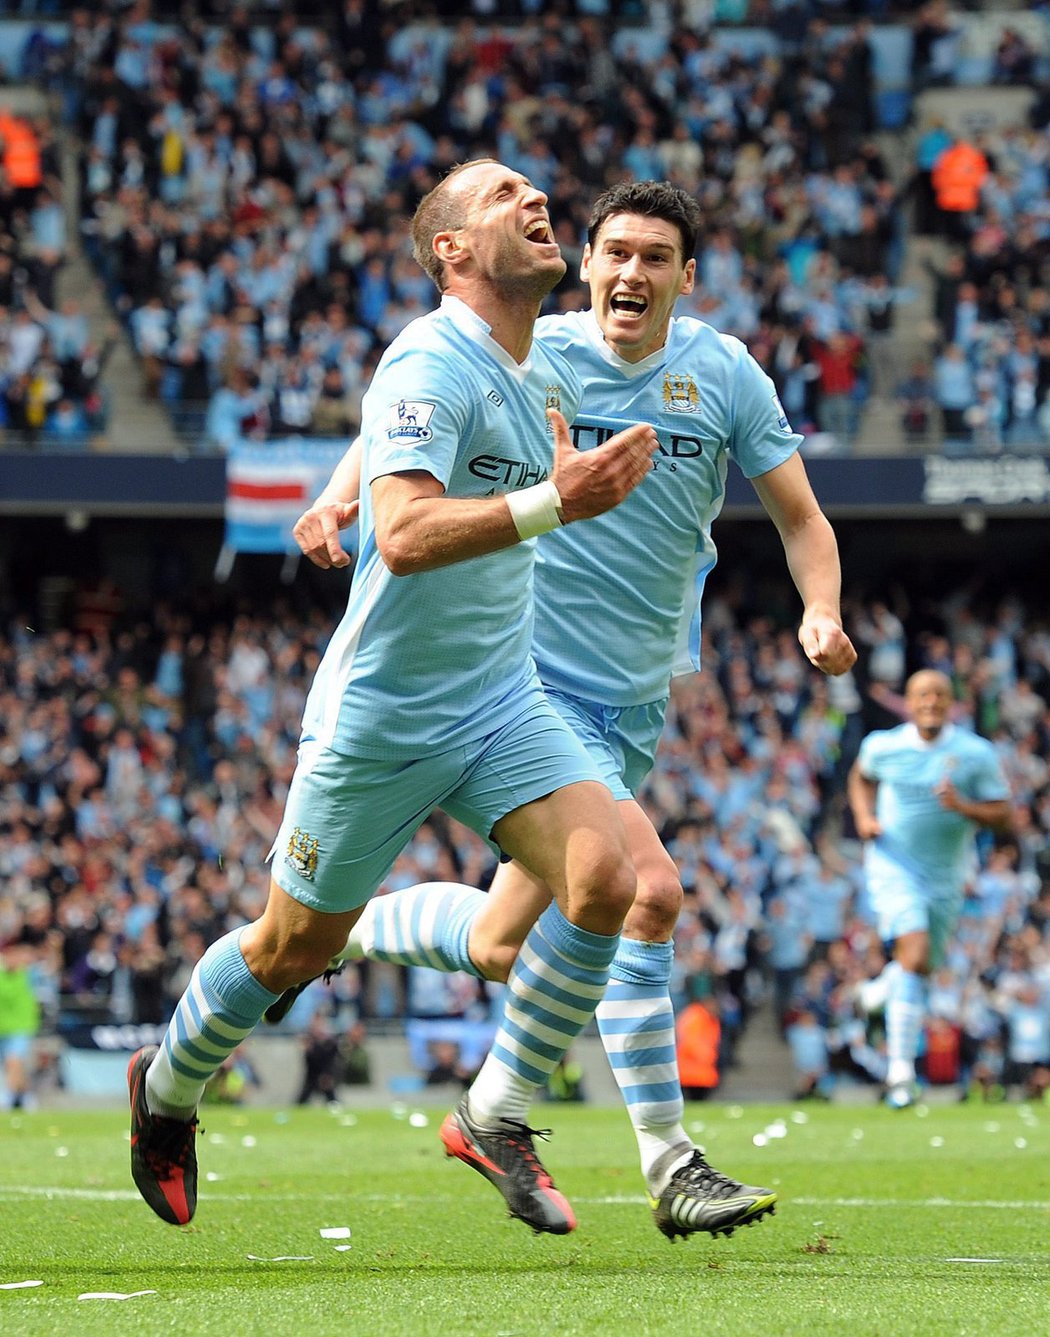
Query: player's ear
448,246
688,279
585,263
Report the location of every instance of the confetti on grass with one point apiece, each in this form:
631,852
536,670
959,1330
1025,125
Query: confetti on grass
18,1285
283,1258
336,1233
113,1295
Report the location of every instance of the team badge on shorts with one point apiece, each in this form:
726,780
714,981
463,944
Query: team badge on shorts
680,393
301,855
410,420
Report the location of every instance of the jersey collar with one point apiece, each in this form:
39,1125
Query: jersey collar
607,354
465,318
943,737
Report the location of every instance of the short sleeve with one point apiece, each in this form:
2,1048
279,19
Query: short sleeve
415,415
762,437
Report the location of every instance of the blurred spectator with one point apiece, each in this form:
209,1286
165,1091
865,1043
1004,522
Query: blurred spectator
698,1034
19,1023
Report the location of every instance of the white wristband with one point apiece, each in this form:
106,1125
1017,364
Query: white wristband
534,510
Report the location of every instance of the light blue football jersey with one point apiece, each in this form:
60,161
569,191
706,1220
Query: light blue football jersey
925,839
430,661
618,597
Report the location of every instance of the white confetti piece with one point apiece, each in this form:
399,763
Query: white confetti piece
113,1295
343,1248
248,1141
61,1152
760,1139
973,1260
936,1141
212,1177
18,1285
799,1117
282,1258
1020,1143
336,1233
418,1119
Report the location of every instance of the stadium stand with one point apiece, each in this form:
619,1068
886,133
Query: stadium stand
232,188
144,755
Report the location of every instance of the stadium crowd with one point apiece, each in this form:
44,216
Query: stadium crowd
248,172
247,188
144,762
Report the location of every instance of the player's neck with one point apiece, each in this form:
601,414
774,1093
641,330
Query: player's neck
929,735
632,353
511,317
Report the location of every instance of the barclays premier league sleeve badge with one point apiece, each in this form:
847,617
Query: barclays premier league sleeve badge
409,420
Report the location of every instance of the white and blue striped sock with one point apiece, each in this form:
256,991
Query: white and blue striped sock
221,1007
905,1010
555,985
425,925
636,1023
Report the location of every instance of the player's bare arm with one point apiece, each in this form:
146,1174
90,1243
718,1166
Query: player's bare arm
996,814
317,529
419,528
813,560
862,792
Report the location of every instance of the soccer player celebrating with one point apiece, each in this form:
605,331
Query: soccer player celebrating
918,793
617,616
461,466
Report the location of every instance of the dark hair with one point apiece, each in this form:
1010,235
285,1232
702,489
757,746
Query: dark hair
650,199
440,210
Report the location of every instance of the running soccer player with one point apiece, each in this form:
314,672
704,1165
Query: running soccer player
457,453
617,616
918,794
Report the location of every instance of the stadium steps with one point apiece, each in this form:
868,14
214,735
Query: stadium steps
135,425
763,1069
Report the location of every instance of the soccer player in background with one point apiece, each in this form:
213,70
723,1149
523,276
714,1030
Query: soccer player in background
617,616
389,733
918,794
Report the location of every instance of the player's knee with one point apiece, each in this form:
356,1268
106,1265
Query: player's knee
657,904
607,892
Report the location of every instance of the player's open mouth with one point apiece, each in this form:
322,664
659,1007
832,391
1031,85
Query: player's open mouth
628,304
539,232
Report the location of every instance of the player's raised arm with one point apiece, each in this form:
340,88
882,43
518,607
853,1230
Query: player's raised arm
317,529
813,560
419,528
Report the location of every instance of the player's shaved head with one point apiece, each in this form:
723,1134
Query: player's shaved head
443,209
926,680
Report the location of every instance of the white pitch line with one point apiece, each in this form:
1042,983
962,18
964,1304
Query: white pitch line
622,1199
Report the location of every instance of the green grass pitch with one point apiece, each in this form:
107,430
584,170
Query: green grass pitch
933,1222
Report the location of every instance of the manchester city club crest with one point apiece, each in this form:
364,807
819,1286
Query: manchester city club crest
553,401
301,854
680,393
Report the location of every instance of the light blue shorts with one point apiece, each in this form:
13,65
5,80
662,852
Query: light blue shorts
621,740
905,902
348,818
15,1046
